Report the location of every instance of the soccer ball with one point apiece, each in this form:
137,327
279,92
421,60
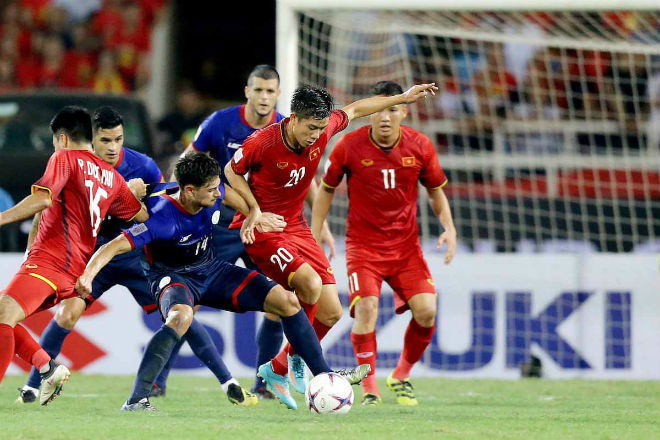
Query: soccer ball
329,393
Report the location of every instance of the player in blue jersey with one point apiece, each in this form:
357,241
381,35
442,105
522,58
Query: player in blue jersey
183,272
221,134
125,270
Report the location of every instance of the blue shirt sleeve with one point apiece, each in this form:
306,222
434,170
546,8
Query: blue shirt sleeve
203,140
157,227
152,173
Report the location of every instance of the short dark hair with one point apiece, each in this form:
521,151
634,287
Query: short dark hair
311,102
196,169
74,121
264,71
106,117
386,88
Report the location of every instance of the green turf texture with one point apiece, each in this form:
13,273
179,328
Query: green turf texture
483,409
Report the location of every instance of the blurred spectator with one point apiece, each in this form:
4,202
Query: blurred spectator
180,125
107,78
132,41
58,25
28,67
653,125
108,22
7,77
494,86
52,70
79,10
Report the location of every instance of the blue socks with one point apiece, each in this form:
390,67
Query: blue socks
269,343
155,356
51,341
302,337
161,380
202,345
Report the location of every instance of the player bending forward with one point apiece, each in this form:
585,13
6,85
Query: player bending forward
282,160
383,163
75,193
183,272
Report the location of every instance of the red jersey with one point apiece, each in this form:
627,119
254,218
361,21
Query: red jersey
83,189
382,186
279,177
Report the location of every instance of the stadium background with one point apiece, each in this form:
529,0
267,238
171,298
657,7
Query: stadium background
551,154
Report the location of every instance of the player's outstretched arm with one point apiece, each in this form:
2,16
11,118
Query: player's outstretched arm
29,206
101,257
367,106
320,204
440,205
241,186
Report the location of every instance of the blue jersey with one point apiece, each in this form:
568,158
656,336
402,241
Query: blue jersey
175,240
222,133
131,165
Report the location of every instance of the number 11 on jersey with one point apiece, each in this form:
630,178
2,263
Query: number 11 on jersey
388,178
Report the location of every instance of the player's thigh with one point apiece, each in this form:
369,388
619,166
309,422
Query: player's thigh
138,286
276,256
410,279
236,289
307,283
31,291
329,308
281,302
424,307
364,280
11,311
313,254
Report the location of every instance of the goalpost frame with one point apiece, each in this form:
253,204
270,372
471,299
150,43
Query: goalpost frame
286,28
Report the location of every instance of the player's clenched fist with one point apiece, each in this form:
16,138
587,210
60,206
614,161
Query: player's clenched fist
419,91
269,222
83,287
138,188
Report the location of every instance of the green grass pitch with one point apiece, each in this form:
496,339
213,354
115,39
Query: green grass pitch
483,409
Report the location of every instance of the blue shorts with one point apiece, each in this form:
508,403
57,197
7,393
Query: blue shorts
124,270
227,245
219,285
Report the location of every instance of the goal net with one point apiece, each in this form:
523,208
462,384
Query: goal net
547,124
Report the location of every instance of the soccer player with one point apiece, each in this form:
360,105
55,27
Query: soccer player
125,270
183,271
75,193
282,160
383,163
220,135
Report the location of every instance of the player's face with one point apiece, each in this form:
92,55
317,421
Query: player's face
207,194
387,123
108,143
308,130
262,95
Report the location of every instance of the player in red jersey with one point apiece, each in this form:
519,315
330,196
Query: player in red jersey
282,160
383,163
75,193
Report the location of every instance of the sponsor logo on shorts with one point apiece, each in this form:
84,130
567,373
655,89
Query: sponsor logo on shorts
31,266
367,162
365,354
329,269
430,281
164,282
408,161
282,165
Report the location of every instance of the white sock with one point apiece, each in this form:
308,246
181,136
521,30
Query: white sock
45,368
225,386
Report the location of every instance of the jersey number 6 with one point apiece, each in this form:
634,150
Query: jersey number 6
94,208
282,257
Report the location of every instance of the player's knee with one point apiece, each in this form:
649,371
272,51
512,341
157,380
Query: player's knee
309,288
67,317
11,313
281,302
366,310
425,316
329,314
179,318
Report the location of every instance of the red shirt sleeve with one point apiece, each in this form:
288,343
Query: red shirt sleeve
335,166
338,121
56,175
125,206
246,157
432,175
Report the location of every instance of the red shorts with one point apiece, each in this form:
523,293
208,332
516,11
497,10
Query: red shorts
36,287
405,271
280,254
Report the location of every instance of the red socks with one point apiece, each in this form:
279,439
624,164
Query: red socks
28,349
6,348
364,347
415,341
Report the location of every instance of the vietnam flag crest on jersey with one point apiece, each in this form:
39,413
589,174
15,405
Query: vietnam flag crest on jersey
408,161
314,153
